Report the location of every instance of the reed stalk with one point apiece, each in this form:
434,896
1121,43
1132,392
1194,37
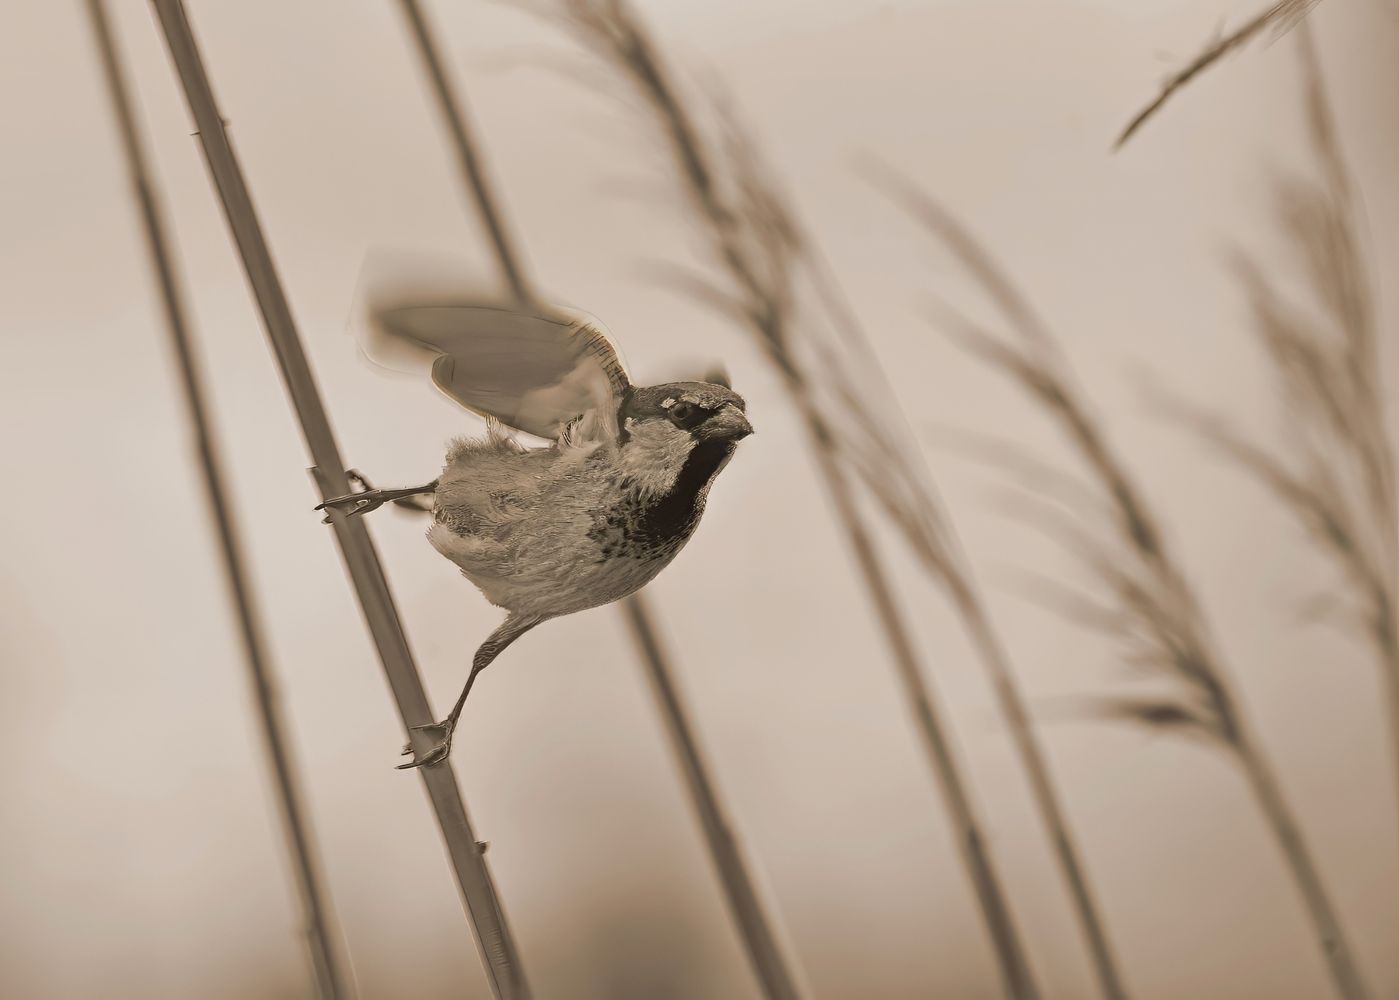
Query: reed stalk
896,476
333,979
1152,607
754,244
1280,17
756,928
493,939
1335,477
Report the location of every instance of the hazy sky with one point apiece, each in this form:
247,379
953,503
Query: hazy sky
140,853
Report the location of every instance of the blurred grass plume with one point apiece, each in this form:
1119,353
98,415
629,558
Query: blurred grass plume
1147,603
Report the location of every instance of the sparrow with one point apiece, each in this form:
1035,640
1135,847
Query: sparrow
585,520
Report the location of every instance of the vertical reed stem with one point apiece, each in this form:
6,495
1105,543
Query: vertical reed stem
333,982
1264,784
755,926
1378,561
493,939
764,950
1032,759
1153,593
613,29
952,570
1389,680
478,183
971,843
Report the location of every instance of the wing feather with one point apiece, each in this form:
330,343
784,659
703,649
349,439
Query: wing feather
534,368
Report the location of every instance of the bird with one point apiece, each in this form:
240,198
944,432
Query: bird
586,519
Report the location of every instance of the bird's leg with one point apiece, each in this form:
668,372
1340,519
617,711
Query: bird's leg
417,503
441,732
372,499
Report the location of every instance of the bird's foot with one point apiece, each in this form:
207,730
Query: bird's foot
354,503
367,498
441,735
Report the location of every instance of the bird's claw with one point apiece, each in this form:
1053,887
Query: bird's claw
435,754
359,503
356,502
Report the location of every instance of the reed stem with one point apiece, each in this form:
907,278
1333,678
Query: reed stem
493,939
333,980
756,927
1016,975
1263,782
1032,758
917,513
1157,607
751,241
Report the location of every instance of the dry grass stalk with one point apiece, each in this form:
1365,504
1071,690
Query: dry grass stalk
894,473
333,979
756,927
1151,607
1335,476
1280,17
756,248
493,937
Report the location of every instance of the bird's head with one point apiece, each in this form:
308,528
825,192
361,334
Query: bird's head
699,412
690,427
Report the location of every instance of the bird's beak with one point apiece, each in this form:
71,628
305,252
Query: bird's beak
729,424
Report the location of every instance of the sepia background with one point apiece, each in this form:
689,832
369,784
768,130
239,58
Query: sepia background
140,853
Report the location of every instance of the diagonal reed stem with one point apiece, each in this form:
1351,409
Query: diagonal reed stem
756,927
749,242
765,950
937,549
493,939
927,715
1280,15
1144,577
333,979
992,653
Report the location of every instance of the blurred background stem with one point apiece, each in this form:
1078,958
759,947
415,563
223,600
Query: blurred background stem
1152,607
896,475
493,938
332,975
967,828
755,926
753,244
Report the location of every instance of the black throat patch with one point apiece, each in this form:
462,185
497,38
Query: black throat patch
639,529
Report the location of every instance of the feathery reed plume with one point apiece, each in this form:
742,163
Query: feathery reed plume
1336,478
333,980
493,939
1152,607
875,444
756,928
1281,17
756,247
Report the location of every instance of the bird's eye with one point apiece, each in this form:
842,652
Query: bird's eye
683,414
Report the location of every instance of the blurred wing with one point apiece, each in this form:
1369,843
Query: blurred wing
718,374
536,369
691,369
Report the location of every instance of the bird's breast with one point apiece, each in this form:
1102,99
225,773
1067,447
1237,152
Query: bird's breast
640,526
